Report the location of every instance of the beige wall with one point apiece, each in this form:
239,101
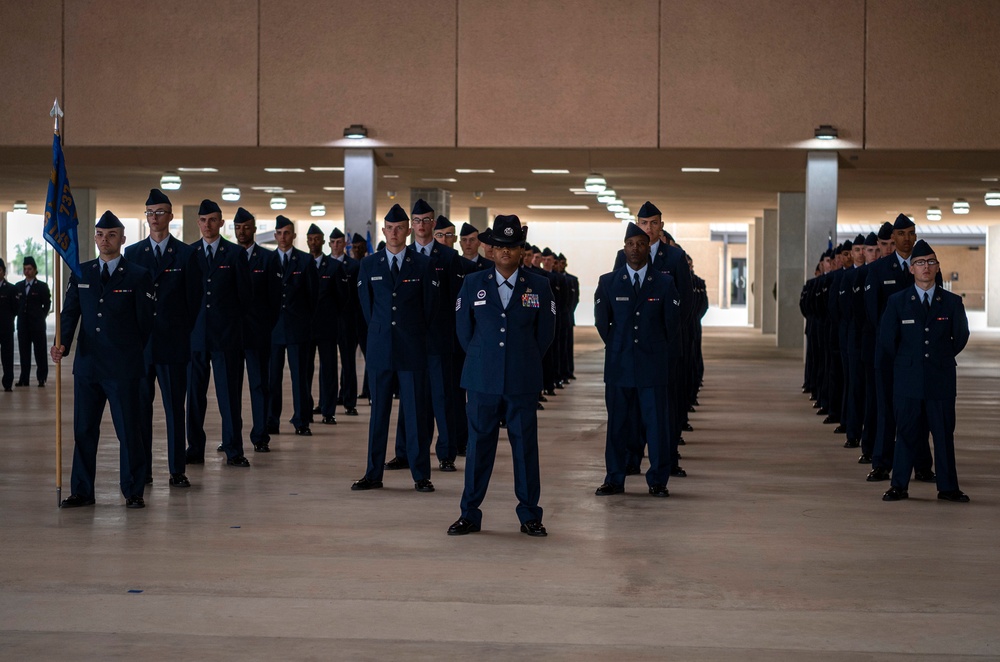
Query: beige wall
970,264
518,73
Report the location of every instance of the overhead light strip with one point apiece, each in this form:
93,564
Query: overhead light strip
545,171
700,170
559,207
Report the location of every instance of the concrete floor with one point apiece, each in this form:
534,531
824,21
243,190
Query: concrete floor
774,547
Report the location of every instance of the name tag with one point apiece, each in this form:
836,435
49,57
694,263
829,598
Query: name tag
909,322
83,286
374,278
478,303
621,298
889,282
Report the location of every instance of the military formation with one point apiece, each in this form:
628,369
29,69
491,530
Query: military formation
24,305
882,336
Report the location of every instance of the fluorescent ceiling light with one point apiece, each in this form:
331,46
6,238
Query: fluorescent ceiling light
699,170
510,190
960,206
990,179
582,193
623,215
607,196
231,194
197,170
595,183
283,170
20,206
933,199
451,180
333,188
616,208
318,209
474,171
578,190
170,181
544,171
272,189
390,176
992,198
564,207
327,168
933,214
278,203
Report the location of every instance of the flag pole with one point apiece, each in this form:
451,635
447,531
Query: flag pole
57,113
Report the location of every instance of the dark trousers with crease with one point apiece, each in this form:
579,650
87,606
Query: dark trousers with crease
227,365
915,419
624,405
258,362
412,399
298,366
172,379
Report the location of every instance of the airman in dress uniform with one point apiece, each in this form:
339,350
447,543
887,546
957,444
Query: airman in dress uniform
444,232
347,325
177,283
637,313
34,305
8,311
923,329
112,302
469,240
505,320
217,338
398,295
331,295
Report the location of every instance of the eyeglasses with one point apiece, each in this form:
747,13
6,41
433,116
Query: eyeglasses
159,213
925,263
444,235
422,220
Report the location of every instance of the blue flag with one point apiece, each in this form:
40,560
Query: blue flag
368,238
60,212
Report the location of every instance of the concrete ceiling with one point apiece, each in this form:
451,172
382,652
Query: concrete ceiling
874,186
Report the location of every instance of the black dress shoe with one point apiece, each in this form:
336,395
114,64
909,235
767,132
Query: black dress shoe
503,423
678,456
840,429
542,398
821,411
659,491
303,431
551,392
76,501
179,480
632,470
876,475
329,420
696,403
397,463
221,448
691,409
539,408
865,459
24,384
261,448
447,465
687,428
534,528
895,494
351,411
135,502
829,420
7,389
365,484
238,461
149,480
191,459
852,443
423,486
559,385
463,527
957,496
681,442
317,410
607,489
924,476
272,428
678,472
41,384
461,452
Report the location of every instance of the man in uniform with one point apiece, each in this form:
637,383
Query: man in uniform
34,305
861,356
506,321
293,331
886,277
359,249
444,232
922,331
217,338
258,324
347,328
177,283
398,295
470,243
112,302
637,313
331,292
572,297
886,242
8,311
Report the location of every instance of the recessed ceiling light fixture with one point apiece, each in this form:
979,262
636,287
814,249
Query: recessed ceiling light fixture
231,194
992,198
933,213
510,190
170,181
991,179
559,207
356,132
607,196
450,180
272,189
20,206
390,176
616,207
327,168
549,171
318,209
960,206
333,188
474,171
278,202
595,183
197,170
825,132
283,170
699,169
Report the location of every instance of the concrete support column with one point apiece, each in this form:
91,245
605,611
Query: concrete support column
189,230
993,275
791,255
479,217
821,206
769,272
754,270
360,187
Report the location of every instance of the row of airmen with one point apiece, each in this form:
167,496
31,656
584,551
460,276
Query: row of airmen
28,302
219,306
882,336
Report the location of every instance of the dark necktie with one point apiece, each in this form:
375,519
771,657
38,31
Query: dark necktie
159,255
105,275
906,266
27,289
927,301
635,282
395,266
284,263
208,254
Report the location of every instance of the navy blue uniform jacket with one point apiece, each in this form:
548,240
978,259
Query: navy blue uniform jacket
504,348
115,321
672,261
397,311
922,345
225,299
177,285
265,283
446,269
637,329
331,297
299,283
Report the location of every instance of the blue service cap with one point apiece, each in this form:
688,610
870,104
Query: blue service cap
885,232
397,215
633,230
281,222
243,216
442,223
209,207
921,249
647,210
336,234
871,239
108,221
157,197
313,229
468,229
902,222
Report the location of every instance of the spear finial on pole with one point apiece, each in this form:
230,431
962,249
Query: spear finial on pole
56,112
